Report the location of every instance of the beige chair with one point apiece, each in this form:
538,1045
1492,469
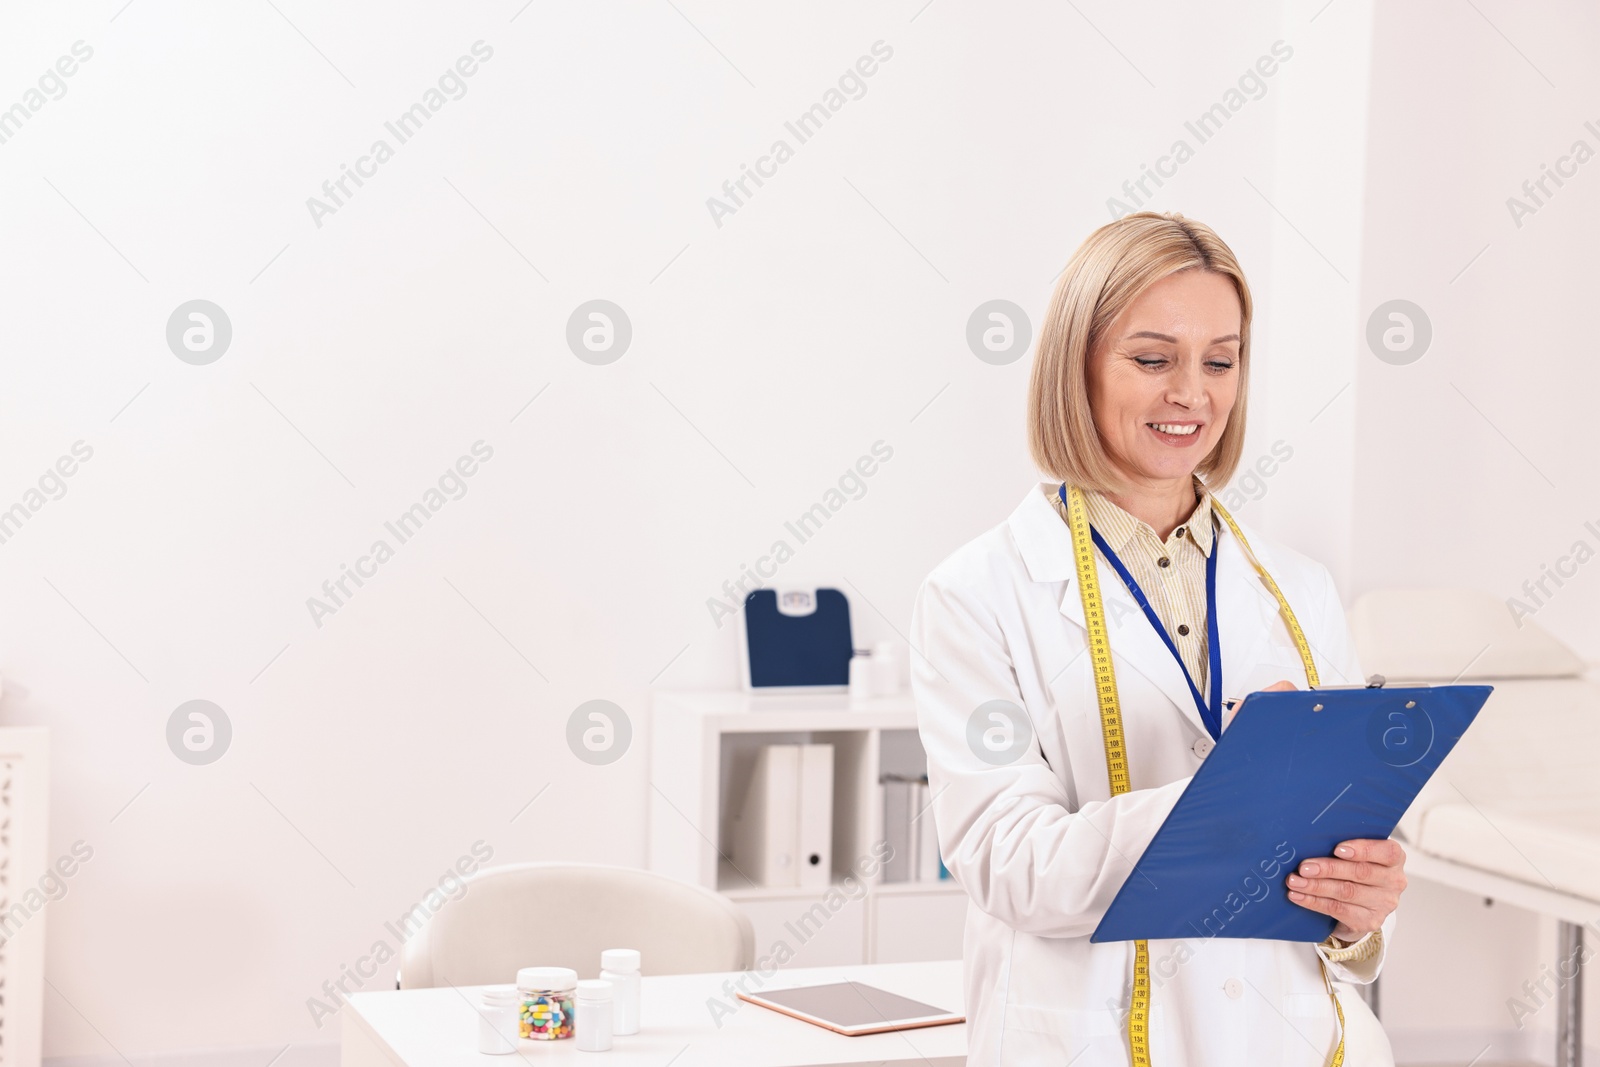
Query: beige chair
563,915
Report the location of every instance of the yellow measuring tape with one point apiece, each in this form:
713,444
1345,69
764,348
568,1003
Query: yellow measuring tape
1105,684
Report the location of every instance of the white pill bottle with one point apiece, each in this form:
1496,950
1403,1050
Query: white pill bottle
620,967
593,1024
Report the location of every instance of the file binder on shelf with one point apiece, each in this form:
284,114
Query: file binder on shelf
927,839
783,833
815,836
910,832
765,832
897,813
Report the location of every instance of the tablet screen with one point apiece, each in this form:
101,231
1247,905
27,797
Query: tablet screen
847,1006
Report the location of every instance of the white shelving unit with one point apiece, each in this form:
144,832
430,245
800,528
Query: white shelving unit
703,745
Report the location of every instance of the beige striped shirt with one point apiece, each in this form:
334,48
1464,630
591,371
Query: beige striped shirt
1172,573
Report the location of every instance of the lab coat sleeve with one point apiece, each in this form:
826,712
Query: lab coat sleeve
1361,972
1006,832
1339,651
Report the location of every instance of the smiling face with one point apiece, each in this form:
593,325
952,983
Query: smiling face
1166,375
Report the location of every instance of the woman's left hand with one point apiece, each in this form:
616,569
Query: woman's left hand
1360,885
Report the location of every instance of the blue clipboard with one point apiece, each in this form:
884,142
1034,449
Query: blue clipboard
1296,772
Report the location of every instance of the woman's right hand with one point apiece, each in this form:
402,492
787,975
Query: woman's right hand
1275,687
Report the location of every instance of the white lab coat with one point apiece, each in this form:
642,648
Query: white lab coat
1040,845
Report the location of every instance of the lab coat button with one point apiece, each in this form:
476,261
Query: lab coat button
1202,747
1234,988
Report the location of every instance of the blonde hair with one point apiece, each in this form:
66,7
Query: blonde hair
1108,272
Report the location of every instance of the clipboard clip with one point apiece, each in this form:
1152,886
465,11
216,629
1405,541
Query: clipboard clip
1374,681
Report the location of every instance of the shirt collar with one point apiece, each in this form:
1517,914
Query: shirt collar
1119,527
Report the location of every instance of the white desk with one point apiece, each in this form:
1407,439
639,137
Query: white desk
439,1027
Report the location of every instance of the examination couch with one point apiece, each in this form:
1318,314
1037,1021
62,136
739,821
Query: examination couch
1513,813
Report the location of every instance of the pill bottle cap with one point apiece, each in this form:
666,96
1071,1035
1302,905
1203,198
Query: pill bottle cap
553,978
594,989
498,995
620,959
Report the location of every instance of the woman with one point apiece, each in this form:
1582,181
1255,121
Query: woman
1137,414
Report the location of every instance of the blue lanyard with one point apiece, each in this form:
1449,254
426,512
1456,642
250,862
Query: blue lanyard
1210,714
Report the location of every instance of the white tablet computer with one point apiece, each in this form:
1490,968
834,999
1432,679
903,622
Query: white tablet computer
853,1009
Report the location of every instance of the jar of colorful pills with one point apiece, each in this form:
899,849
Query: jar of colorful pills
545,1009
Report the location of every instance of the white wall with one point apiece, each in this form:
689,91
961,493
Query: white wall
1472,462
769,353
1302,403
